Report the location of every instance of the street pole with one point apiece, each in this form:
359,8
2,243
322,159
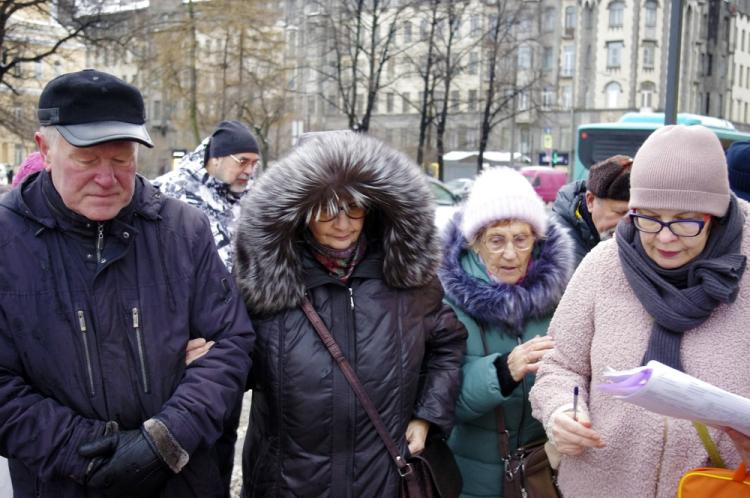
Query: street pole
673,62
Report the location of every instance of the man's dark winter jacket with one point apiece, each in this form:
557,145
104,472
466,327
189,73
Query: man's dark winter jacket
308,435
569,211
83,342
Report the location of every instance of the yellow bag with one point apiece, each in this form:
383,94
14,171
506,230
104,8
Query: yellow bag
713,482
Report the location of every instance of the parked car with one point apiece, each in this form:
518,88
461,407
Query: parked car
461,186
446,201
545,180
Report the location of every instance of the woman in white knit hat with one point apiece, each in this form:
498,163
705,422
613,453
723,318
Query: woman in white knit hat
671,287
504,270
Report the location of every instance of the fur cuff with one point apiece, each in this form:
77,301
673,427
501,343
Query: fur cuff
166,445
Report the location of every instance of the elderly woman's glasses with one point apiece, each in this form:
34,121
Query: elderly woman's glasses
351,210
681,228
498,243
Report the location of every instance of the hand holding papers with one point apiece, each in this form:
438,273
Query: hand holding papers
664,390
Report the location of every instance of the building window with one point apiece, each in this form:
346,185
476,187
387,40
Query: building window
613,91
405,106
548,98
476,26
614,54
389,102
424,30
616,14
570,18
455,100
649,51
651,7
524,58
472,103
157,110
569,60
647,95
548,58
523,101
473,63
407,32
567,97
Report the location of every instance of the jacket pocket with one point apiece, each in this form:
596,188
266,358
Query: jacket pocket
143,370
86,342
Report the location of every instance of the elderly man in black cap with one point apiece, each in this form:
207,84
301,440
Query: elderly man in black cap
214,177
590,210
103,283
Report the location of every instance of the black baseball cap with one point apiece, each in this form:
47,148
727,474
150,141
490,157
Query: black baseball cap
90,107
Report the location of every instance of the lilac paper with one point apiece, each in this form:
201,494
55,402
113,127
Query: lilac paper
628,385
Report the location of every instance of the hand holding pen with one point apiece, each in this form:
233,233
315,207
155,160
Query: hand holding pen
571,430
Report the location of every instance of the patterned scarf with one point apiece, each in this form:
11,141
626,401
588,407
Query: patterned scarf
683,298
339,263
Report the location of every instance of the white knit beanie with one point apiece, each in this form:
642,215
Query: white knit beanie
502,194
681,168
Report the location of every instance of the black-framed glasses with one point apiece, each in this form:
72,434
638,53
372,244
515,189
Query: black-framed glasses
681,228
244,162
351,210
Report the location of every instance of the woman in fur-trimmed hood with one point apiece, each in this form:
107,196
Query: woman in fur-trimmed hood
504,270
348,222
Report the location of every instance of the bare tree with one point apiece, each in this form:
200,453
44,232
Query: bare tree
425,67
450,59
31,32
502,42
357,44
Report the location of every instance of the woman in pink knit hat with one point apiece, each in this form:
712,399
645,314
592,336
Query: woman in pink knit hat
31,164
670,287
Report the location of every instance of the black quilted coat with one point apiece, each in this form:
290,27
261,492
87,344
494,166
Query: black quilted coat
308,435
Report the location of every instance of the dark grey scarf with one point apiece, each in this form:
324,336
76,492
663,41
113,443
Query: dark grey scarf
683,298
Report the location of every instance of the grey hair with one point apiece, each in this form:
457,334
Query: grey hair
52,136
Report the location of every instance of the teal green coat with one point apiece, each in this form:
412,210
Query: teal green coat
511,314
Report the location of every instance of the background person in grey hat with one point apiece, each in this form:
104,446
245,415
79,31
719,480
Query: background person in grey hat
591,209
214,177
103,283
671,286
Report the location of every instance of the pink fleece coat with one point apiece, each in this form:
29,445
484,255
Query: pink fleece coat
599,323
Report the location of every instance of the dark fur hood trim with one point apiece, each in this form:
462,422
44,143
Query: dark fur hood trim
401,216
509,305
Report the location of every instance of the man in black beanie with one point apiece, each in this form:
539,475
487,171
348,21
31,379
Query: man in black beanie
590,210
214,177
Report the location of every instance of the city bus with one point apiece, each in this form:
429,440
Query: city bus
598,141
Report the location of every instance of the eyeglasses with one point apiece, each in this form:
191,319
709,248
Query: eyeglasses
680,228
497,243
244,162
351,210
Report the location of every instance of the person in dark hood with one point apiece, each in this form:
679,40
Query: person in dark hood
738,162
348,222
103,283
504,270
590,210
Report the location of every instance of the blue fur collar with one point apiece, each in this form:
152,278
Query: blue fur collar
502,304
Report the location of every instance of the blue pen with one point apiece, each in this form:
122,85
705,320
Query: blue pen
575,403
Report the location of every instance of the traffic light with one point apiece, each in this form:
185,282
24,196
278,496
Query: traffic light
554,158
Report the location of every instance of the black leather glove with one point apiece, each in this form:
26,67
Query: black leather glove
125,464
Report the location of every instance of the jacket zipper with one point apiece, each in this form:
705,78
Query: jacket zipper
99,241
351,298
141,351
86,352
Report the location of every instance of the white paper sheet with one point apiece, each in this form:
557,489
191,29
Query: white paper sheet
664,390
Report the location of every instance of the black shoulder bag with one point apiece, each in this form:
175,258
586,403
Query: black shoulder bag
432,474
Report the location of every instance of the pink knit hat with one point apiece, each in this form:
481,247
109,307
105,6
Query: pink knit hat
502,194
31,164
682,168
